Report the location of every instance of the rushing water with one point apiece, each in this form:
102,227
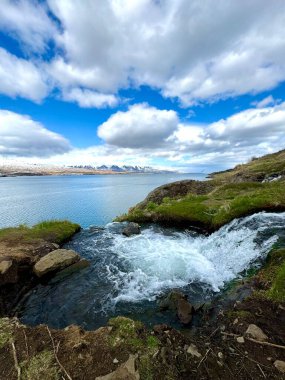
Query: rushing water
128,275
87,200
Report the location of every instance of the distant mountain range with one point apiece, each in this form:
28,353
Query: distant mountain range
122,169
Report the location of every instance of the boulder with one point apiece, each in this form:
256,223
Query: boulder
8,271
177,301
55,261
184,311
131,229
255,332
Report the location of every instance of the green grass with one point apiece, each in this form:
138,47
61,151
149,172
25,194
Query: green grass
41,367
211,211
55,231
257,168
277,290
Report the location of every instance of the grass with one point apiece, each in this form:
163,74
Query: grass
272,276
131,334
6,332
263,167
41,367
219,207
55,231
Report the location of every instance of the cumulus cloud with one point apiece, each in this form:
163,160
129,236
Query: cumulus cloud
21,136
89,99
194,51
191,50
19,77
140,126
28,21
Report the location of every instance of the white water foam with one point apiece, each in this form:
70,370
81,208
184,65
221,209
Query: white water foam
157,261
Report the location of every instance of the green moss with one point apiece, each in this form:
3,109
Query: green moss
211,211
55,231
6,332
125,331
41,367
241,314
277,290
145,368
152,342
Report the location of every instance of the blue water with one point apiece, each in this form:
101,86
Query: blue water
87,200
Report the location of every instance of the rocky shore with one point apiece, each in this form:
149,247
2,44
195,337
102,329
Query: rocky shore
240,335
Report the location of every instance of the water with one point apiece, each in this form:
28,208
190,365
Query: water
87,200
127,276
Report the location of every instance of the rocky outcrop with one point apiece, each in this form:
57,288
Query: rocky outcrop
131,229
55,261
176,190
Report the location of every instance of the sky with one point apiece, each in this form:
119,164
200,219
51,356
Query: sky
189,85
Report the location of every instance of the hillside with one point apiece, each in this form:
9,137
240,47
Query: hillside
246,189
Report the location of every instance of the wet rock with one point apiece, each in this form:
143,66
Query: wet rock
192,350
255,332
126,371
131,229
8,272
55,261
184,311
177,301
79,265
159,329
280,365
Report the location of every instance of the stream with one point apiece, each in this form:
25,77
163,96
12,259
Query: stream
128,276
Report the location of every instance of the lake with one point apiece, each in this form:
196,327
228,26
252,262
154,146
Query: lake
87,200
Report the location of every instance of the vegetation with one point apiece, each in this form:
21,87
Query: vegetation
55,231
41,367
211,211
6,331
257,169
131,334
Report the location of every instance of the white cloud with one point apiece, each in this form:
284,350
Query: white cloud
90,99
21,136
268,101
27,21
140,126
19,77
194,50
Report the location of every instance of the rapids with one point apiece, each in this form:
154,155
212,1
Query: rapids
128,275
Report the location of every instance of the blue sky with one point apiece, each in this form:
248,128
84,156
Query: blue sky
181,85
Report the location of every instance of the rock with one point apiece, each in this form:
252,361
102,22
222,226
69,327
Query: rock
55,261
115,361
240,339
131,229
255,332
8,272
177,301
79,265
184,311
220,355
280,365
126,371
192,350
